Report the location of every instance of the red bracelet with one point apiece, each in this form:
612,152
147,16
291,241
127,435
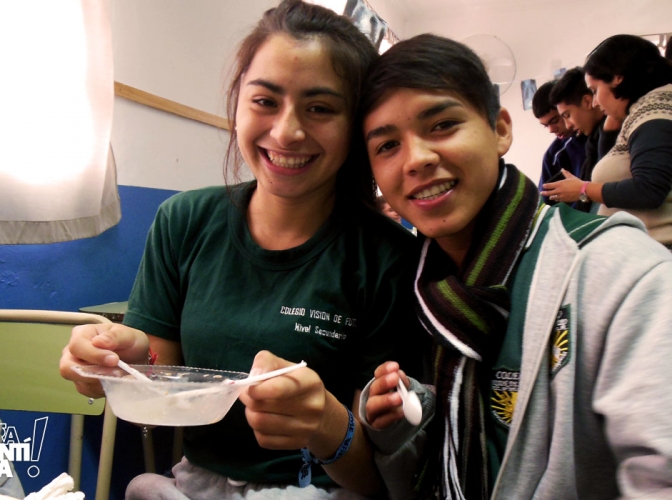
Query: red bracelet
152,357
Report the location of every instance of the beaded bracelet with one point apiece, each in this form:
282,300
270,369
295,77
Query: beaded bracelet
305,474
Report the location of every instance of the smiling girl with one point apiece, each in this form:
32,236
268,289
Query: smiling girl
296,265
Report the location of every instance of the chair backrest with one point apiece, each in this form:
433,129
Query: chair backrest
29,370
31,344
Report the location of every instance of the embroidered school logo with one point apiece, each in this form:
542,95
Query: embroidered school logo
504,395
561,341
13,449
317,322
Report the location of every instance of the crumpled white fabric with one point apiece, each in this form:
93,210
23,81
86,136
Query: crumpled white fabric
58,489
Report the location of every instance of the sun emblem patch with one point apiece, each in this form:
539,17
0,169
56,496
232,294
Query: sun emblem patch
561,341
504,395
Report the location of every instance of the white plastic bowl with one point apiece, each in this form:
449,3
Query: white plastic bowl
177,395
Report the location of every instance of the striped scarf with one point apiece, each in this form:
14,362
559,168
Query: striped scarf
466,312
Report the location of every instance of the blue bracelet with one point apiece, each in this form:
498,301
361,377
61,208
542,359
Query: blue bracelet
305,474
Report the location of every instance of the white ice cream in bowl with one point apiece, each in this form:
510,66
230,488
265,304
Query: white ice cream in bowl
174,395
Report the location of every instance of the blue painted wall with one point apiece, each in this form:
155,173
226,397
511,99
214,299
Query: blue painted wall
65,277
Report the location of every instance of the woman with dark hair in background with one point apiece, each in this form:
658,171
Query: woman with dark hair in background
631,81
296,265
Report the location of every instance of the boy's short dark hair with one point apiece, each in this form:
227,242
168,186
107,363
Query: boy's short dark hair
431,62
541,102
570,89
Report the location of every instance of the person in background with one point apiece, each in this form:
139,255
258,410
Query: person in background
574,102
385,209
551,327
567,151
631,82
293,266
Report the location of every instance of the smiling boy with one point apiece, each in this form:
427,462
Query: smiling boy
550,327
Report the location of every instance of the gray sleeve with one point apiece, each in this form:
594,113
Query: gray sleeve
399,449
650,148
632,392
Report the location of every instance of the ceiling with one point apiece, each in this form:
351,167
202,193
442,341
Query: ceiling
422,8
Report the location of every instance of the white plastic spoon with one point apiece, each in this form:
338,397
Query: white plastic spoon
129,369
254,379
411,404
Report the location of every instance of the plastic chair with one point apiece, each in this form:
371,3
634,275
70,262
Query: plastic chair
31,345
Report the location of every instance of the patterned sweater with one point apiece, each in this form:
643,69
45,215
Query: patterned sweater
622,164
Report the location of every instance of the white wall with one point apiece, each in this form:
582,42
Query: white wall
544,35
181,50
